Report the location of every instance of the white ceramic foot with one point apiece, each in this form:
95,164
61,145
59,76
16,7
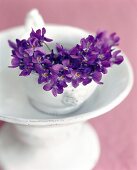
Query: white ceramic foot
72,147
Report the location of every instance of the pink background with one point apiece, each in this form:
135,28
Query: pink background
116,129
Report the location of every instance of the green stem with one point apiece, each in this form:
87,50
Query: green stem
47,46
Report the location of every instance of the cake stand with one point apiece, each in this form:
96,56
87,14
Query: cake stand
31,140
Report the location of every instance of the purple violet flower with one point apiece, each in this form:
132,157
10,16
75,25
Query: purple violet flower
82,64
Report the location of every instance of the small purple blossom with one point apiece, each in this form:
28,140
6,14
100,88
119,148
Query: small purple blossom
82,64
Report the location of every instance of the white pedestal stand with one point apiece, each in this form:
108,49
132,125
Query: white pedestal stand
71,147
43,142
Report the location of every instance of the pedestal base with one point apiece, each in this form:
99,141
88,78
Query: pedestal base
72,147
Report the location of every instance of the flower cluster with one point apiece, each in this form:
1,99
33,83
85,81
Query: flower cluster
83,63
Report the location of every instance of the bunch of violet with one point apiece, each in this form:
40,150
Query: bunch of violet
82,64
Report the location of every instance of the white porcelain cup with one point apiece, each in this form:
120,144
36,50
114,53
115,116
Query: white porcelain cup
72,98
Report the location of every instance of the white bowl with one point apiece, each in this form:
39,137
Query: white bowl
14,105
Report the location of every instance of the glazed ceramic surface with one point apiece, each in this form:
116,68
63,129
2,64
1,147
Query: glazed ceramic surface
73,146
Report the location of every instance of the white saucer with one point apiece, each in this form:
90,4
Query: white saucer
15,108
